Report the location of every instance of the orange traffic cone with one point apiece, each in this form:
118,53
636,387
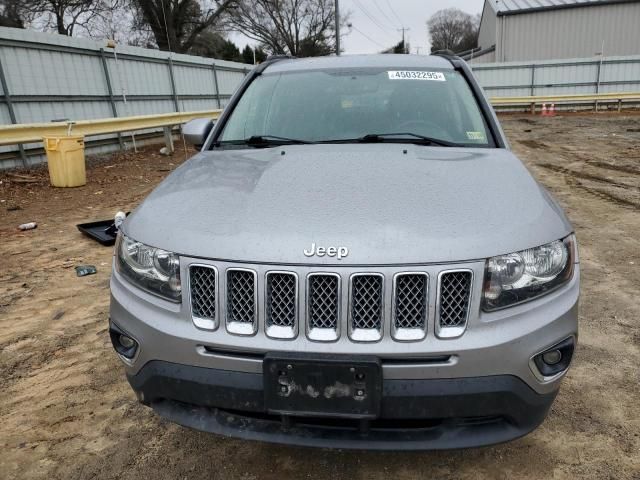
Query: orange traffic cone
544,110
552,110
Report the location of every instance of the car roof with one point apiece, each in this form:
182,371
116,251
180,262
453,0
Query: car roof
397,61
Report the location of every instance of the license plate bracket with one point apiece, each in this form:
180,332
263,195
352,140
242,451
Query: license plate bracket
322,386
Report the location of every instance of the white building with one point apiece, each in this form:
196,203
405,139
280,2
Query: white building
520,30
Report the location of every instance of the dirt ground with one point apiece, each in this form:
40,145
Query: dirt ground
66,410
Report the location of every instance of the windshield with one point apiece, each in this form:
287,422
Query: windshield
342,105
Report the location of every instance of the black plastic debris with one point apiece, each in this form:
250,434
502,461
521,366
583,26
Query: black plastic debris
103,231
84,270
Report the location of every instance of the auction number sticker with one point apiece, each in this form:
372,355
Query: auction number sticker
416,75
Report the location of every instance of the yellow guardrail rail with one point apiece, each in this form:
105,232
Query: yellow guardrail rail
35,132
566,99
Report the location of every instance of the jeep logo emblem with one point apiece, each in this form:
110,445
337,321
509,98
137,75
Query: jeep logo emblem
339,252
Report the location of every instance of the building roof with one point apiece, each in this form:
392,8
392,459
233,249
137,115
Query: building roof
512,7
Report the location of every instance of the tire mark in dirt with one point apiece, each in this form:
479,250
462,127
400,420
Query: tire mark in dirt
622,202
535,144
602,195
615,168
587,176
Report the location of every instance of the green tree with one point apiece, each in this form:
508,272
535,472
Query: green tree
261,55
247,55
213,45
230,51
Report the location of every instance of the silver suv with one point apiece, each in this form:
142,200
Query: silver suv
355,259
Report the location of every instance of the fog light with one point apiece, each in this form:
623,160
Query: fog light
555,359
128,342
122,342
552,357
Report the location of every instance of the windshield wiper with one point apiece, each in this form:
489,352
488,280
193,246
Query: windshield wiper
269,140
415,138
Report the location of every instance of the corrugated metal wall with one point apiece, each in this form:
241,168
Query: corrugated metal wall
487,33
568,33
561,77
51,77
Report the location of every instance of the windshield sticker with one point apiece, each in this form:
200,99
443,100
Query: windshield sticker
475,135
416,75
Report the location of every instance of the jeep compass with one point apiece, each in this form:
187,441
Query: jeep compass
354,259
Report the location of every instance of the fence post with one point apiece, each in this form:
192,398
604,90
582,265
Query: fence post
215,79
598,80
107,77
12,113
533,80
173,85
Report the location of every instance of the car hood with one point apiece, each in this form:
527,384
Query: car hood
386,203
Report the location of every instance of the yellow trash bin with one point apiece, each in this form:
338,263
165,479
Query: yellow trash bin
65,157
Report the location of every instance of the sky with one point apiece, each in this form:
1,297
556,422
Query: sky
376,23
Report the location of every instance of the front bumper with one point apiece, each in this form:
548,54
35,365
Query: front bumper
415,414
474,390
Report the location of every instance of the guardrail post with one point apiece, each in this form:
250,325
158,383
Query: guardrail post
215,79
107,77
168,139
12,113
173,84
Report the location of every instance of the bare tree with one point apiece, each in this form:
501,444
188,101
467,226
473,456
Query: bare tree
176,24
295,27
452,29
62,16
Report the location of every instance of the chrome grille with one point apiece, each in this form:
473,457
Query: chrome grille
455,293
323,301
281,299
235,291
241,297
410,305
203,294
366,302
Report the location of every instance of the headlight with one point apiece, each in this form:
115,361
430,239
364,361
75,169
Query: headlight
152,269
521,276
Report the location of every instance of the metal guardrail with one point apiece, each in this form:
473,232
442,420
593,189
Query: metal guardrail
34,132
579,99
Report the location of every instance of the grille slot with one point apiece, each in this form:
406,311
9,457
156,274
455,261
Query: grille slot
410,303
281,304
241,301
203,282
366,312
323,305
454,296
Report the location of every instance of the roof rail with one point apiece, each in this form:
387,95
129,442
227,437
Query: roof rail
280,56
271,59
454,59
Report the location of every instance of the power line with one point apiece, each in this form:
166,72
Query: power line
370,17
384,15
367,36
394,12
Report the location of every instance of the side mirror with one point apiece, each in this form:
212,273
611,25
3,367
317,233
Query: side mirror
196,131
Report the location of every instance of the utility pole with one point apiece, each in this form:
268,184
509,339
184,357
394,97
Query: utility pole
403,30
337,28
